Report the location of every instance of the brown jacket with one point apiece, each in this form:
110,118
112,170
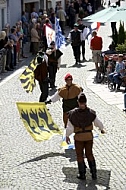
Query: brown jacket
41,72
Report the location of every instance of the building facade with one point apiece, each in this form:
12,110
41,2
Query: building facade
3,13
13,11
10,10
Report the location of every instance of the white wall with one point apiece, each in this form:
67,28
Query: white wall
14,11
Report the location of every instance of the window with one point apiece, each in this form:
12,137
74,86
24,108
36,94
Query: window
2,17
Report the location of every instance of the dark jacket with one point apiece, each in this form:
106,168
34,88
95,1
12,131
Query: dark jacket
41,72
75,37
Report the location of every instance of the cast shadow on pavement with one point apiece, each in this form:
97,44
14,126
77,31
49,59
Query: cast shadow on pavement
77,65
68,154
63,65
103,178
92,70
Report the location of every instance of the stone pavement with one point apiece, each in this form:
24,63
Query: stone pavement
29,165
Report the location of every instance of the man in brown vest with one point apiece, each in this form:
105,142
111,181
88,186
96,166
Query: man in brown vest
80,121
69,94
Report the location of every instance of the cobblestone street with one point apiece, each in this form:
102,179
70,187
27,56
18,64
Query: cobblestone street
30,165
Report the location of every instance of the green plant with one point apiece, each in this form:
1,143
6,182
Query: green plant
121,48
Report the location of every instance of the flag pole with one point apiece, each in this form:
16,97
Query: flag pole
55,37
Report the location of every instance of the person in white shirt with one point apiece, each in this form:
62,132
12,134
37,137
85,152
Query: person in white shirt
84,32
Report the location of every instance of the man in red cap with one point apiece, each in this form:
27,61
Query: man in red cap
69,93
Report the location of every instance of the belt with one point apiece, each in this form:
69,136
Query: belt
86,131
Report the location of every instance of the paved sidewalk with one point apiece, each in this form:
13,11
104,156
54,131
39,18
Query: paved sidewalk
111,98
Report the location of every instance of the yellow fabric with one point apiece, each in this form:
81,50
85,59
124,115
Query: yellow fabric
37,120
69,93
27,77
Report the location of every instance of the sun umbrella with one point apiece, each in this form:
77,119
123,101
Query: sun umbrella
111,14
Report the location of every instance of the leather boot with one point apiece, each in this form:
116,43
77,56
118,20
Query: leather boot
114,86
82,170
83,57
92,166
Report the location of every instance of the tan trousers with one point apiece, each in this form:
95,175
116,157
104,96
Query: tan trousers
80,146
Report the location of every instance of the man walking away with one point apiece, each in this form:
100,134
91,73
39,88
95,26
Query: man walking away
75,38
80,121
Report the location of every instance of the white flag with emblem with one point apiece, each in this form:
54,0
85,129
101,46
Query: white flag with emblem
50,35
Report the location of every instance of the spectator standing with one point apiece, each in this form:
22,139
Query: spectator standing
54,61
84,31
40,12
81,122
18,47
69,94
93,4
76,7
52,20
113,27
13,36
89,9
3,43
72,15
10,55
24,26
41,75
96,47
34,14
67,13
75,38
35,39
61,14
84,6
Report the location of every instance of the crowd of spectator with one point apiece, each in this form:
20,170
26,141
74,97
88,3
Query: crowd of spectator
32,29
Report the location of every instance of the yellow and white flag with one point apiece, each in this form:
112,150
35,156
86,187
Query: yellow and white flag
37,120
27,77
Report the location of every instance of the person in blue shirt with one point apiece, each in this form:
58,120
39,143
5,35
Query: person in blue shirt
119,72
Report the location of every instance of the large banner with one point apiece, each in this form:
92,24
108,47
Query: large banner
37,120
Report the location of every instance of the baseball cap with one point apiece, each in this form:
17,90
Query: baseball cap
68,76
75,25
82,98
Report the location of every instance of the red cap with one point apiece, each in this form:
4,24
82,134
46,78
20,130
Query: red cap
68,76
